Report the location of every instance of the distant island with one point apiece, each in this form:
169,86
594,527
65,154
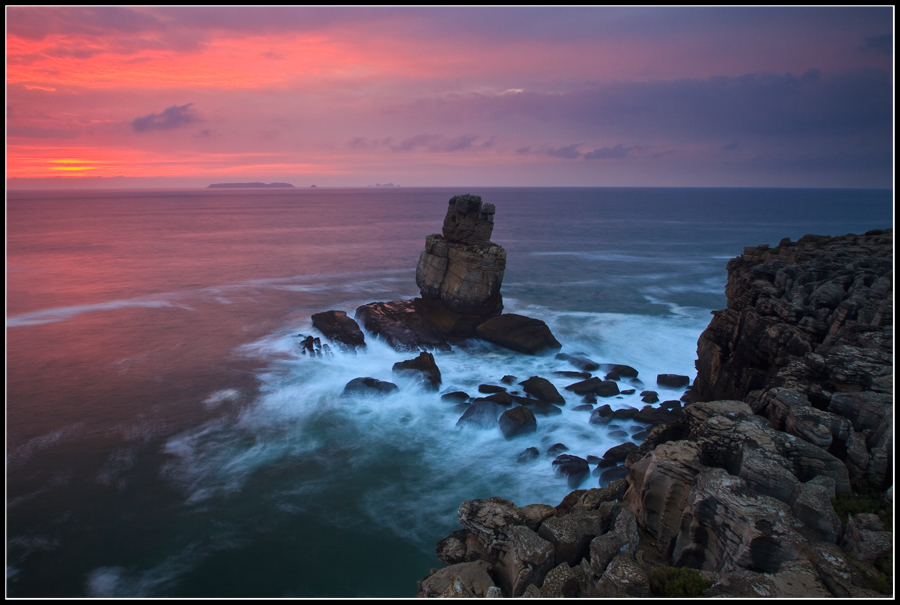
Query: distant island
247,185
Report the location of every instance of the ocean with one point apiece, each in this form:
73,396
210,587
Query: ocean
166,438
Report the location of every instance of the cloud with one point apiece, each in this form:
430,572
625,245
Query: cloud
36,23
881,44
171,117
604,153
569,152
435,143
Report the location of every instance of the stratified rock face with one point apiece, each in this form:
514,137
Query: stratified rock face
812,316
460,272
807,341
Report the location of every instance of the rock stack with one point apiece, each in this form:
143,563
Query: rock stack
460,272
776,481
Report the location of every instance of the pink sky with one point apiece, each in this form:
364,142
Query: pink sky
173,97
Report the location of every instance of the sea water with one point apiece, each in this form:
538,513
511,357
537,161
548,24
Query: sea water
166,437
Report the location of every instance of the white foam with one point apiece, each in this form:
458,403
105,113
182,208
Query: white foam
405,449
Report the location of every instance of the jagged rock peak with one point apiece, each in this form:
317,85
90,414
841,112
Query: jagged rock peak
468,221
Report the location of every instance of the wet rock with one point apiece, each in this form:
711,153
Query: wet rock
583,408
585,387
574,468
519,333
490,388
504,399
542,389
627,392
508,379
650,397
423,366
673,381
369,386
582,363
529,454
624,413
613,474
607,388
481,414
625,371
653,416
567,374
612,376
539,408
619,453
401,326
517,421
337,327
455,397
601,415
556,449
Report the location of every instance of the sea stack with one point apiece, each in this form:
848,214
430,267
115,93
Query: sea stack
460,271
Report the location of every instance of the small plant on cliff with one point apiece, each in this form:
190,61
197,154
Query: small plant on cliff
677,582
866,498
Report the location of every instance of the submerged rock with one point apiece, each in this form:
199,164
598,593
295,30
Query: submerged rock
424,366
517,421
582,363
369,386
482,414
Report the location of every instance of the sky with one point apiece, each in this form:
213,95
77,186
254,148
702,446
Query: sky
351,97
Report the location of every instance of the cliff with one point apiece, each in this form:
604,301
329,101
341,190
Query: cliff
776,481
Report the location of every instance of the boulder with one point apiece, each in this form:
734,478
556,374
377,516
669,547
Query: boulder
369,386
531,453
455,397
337,327
624,576
539,408
401,326
489,519
574,468
517,421
519,333
585,387
673,381
571,534
423,366
490,389
525,560
619,453
582,363
542,389
471,578
865,537
481,414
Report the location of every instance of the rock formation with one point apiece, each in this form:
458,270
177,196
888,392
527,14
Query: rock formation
459,275
790,425
460,272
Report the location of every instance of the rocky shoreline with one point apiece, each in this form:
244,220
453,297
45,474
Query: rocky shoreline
773,480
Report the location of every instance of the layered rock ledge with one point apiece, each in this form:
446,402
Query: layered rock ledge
775,481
